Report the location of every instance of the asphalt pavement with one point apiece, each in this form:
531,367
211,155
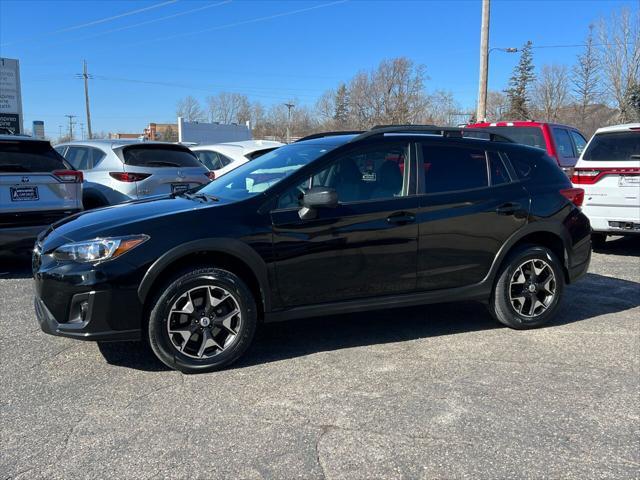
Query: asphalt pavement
434,392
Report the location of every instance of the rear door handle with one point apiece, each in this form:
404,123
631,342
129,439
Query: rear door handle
401,218
508,208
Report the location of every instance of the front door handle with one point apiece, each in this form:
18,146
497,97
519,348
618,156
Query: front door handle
401,218
508,208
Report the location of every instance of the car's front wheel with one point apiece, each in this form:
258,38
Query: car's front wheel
528,289
203,320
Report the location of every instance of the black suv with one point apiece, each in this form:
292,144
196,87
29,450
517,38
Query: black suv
333,223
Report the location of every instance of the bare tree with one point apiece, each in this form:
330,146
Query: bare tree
228,108
620,57
585,76
190,110
442,109
551,91
497,105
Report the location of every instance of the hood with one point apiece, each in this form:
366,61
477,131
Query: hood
124,218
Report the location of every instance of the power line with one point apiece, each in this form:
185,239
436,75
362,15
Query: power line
147,22
236,24
94,22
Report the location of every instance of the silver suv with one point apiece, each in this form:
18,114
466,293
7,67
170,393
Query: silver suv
116,171
37,188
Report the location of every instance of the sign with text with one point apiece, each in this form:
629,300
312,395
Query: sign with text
10,95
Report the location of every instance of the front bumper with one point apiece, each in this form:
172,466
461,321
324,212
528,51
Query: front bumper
87,302
19,240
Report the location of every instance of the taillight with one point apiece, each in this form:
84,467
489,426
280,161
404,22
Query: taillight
574,195
589,176
211,175
69,176
129,176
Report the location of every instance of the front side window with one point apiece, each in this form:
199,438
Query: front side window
612,147
375,173
450,169
563,142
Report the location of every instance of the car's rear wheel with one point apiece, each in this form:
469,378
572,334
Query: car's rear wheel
203,320
528,289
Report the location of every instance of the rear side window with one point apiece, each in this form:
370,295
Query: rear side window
615,146
159,156
449,169
29,156
531,136
84,158
563,142
522,164
497,169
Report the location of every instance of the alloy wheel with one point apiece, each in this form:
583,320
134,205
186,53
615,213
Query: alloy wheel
532,288
204,322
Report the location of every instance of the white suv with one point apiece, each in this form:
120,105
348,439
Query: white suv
221,158
609,172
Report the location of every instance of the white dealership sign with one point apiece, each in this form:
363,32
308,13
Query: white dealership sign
10,95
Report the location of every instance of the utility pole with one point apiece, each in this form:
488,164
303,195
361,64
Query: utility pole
59,132
289,107
481,112
71,124
86,76
82,131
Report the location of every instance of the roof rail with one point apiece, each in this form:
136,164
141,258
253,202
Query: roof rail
329,134
452,132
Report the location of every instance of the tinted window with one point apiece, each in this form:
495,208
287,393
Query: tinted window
257,176
30,156
531,136
209,159
372,174
84,158
159,156
448,169
613,146
258,153
522,164
224,160
563,142
497,169
579,141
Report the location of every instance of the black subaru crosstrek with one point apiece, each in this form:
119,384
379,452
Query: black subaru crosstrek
335,223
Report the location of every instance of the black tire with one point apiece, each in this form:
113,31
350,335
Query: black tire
501,306
163,345
598,240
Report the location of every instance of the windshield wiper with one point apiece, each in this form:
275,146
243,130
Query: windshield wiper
200,196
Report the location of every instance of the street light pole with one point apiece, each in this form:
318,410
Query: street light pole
481,112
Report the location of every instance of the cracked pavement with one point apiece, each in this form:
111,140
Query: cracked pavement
432,392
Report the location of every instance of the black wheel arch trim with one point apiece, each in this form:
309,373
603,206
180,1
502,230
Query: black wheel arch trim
228,246
540,226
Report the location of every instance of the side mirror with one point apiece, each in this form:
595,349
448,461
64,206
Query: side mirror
317,197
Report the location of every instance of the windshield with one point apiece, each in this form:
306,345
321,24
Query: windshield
262,173
614,147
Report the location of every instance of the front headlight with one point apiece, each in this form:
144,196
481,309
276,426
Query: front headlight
99,249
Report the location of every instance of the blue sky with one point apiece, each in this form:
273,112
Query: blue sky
146,55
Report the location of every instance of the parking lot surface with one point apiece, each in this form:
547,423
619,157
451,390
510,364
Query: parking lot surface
434,392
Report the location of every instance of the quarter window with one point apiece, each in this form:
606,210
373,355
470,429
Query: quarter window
449,169
497,169
579,141
563,143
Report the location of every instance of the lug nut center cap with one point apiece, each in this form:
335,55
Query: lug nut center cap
205,322
532,288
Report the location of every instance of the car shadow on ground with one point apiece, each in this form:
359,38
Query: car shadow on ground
623,246
280,341
15,267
